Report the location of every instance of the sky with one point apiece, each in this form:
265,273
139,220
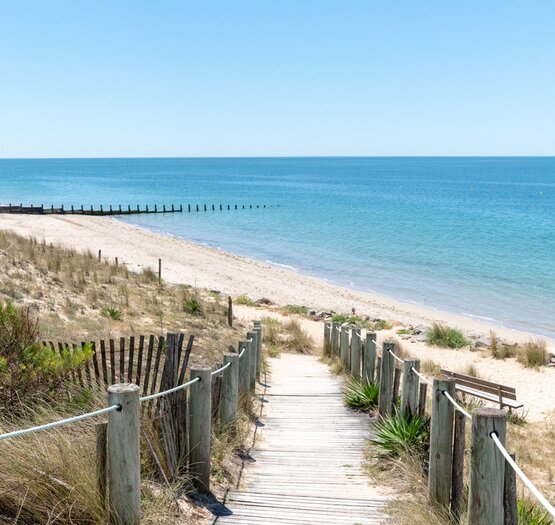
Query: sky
133,78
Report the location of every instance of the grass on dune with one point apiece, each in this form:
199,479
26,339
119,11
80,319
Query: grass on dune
441,335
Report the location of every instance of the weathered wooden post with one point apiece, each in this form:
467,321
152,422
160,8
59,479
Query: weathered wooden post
244,368
409,390
487,467
370,357
230,311
102,461
344,347
335,331
441,442
385,401
258,330
99,255
251,336
355,352
396,386
255,354
124,459
200,427
160,270
422,398
510,504
230,392
457,476
327,335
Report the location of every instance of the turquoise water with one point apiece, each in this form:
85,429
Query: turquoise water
474,236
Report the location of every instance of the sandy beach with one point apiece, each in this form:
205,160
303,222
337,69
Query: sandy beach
205,267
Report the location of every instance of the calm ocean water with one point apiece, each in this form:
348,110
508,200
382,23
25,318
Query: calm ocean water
474,236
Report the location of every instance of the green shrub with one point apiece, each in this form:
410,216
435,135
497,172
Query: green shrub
400,432
361,395
381,324
28,369
112,313
351,319
441,335
295,309
403,331
530,514
193,306
533,354
245,300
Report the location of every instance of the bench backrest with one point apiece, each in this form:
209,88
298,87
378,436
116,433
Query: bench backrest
479,384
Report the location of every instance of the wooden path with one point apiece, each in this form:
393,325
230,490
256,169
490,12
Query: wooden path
308,457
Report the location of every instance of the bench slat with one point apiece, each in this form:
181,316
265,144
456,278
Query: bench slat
481,385
484,395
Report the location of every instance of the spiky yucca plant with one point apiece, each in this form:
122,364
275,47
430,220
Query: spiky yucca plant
361,395
401,432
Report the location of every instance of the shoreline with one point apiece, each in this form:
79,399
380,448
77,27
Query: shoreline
195,264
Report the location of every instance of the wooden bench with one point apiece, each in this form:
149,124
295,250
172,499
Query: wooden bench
504,395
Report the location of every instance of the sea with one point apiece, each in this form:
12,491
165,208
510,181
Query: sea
470,235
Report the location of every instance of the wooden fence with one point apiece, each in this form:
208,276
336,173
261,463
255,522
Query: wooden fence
492,487
125,210
186,411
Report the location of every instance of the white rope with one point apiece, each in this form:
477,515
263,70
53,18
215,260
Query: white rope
398,358
215,372
421,376
171,390
242,352
455,404
47,426
523,476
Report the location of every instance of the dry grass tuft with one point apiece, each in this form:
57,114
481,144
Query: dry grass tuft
533,354
297,340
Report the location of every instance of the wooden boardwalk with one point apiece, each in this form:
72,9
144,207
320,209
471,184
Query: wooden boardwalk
308,456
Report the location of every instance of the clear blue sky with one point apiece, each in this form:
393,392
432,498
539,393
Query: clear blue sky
241,78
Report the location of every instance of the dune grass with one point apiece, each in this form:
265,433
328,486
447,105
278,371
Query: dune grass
441,335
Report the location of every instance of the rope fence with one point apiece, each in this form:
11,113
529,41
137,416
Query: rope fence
61,422
376,368
118,440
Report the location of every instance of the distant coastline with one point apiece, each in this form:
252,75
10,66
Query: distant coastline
199,265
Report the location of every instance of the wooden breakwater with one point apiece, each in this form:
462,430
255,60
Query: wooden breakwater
489,481
125,210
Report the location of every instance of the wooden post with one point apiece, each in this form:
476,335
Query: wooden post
230,390
99,255
252,359
258,330
102,461
200,427
441,442
487,467
510,505
327,335
230,311
355,352
159,269
385,400
422,398
378,369
124,454
457,476
335,328
244,368
409,391
396,385
344,347
370,357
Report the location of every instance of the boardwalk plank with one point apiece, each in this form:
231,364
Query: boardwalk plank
308,467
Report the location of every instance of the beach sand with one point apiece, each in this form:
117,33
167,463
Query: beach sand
205,267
